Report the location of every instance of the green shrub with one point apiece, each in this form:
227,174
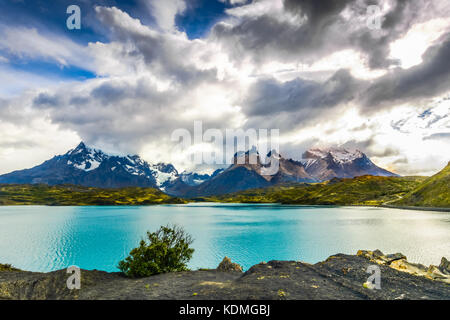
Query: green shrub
8,267
167,250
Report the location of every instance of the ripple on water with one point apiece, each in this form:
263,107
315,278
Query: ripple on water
49,238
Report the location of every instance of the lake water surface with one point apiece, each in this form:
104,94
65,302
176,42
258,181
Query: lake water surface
39,238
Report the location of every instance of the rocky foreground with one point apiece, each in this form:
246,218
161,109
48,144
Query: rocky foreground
339,277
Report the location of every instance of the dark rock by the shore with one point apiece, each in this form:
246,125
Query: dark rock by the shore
226,265
339,277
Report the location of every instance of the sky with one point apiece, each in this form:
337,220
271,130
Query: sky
328,73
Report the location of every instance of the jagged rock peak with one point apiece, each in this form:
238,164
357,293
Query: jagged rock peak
338,154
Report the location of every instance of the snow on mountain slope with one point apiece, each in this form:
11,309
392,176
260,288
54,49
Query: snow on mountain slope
91,167
89,159
194,179
338,155
84,158
165,174
325,164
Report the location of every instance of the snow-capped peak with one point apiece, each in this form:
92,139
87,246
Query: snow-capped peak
339,155
274,154
164,173
85,158
194,178
88,159
253,151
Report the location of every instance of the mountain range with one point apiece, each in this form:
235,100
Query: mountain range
91,167
367,190
325,164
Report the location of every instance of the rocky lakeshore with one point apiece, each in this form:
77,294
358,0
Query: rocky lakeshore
339,277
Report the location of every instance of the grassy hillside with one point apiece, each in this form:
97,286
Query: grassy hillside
433,192
68,195
364,190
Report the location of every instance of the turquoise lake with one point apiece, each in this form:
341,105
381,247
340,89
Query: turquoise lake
39,238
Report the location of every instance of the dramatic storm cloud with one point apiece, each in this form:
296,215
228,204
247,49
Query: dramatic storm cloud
367,74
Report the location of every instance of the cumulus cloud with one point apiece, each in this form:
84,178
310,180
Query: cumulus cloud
165,12
312,69
428,79
424,81
438,136
29,42
269,96
307,30
165,85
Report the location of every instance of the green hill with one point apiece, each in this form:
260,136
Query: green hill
70,195
364,190
433,192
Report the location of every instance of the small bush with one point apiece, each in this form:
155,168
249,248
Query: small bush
8,267
167,250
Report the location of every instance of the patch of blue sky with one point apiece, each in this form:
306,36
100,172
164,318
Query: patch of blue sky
200,16
44,68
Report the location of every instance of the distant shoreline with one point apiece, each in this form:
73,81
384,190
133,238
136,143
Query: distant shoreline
434,209
365,191
416,208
